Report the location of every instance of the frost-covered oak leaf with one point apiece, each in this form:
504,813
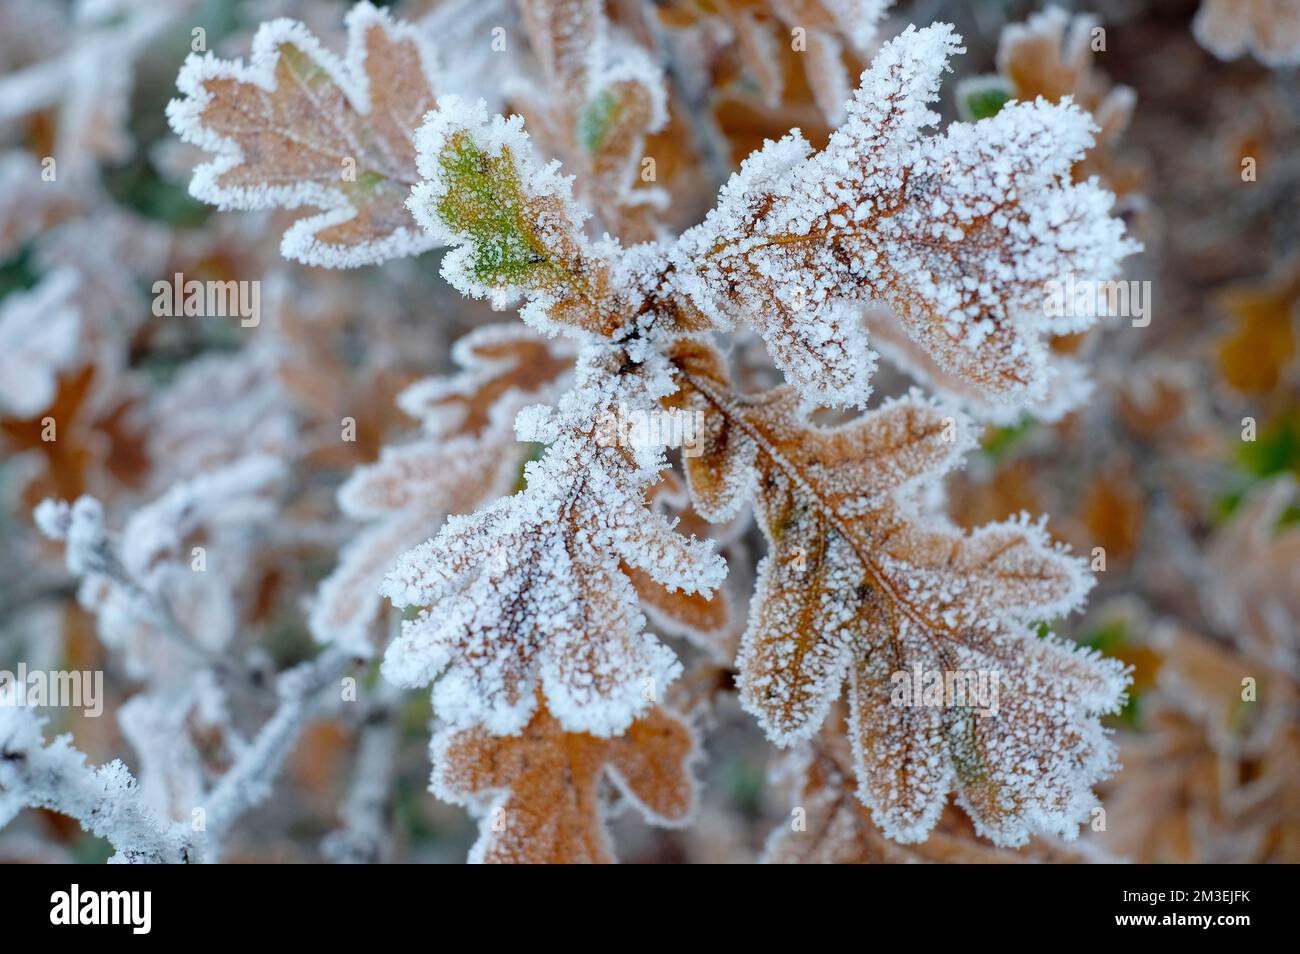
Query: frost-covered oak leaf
514,223
837,828
956,233
541,794
860,584
298,126
529,593
467,455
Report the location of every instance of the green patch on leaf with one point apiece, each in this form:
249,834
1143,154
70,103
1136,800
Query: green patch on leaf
486,201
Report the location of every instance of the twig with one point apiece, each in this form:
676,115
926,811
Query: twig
106,800
366,834
249,780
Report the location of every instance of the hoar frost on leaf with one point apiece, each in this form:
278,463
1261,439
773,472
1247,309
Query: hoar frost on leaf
860,583
514,223
466,455
529,593
298,126
957,233
525,614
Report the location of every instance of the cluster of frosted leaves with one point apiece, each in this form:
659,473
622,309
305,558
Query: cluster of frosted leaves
541,794
466,455
836,828
1270,29
1210,778
859,584
603,96
957,234
529,593
1050,55
298,126
222,508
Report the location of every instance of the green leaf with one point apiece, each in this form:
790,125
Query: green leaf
485,200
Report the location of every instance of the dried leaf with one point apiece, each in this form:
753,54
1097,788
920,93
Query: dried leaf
300,127
957,234
539,792
860,585
529,593
467,456
1270,29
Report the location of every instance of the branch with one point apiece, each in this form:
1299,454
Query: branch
249,780
365,836
106,800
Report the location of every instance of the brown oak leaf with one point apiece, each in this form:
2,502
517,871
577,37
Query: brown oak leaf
860,585
540,792
298,126
467,454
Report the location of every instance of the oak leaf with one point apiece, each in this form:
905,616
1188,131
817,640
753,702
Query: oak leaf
830,825
466,456
540,792
529,593
860,584
957,234
298,126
